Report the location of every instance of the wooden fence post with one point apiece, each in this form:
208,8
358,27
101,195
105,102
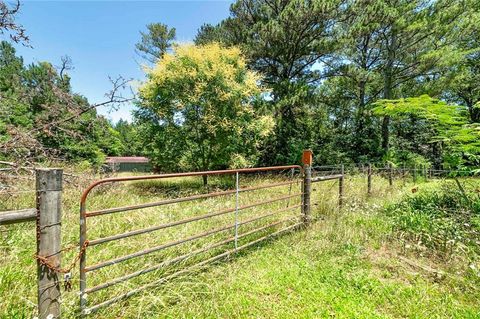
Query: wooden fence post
307,185
49,210
414,174
369,179
390,174
340,187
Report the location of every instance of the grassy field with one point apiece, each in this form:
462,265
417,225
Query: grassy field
374,259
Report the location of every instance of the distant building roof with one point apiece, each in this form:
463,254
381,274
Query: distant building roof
126,159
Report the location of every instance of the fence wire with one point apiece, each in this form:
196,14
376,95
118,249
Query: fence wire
217,225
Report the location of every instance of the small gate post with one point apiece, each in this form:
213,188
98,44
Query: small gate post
307,185
49,211
390,174
340,186
369,179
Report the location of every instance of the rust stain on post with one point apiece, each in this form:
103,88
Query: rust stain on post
307,157
49,210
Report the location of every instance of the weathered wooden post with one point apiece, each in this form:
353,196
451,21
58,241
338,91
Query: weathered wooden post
390,174
49,211
414,174
307,159
369,179
340,186
425,174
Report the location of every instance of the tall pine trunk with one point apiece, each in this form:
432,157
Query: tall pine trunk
388,90
474,112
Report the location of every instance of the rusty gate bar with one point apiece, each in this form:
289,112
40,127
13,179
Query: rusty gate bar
184,271
84,215
185,221
183,257
181,200
170,175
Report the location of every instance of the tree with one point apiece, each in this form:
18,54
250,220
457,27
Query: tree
284,40
417,37
197,110
43,120
460,84
354,79
391,49
129,134
440,131
155,42
7,22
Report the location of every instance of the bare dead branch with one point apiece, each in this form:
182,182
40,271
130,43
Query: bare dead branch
25,145
8,25
66,64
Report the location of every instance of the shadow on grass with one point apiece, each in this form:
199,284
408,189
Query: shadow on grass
172,187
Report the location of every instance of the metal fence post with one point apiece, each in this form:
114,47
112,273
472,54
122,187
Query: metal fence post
340,187
369,179
237,192
307,185
390,174
49,211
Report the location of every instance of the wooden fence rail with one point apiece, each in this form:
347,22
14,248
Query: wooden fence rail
18,216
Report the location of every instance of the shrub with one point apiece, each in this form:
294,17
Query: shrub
443,217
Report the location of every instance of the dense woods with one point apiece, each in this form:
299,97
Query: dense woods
354,80
42,119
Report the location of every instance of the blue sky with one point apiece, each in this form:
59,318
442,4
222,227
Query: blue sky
100,36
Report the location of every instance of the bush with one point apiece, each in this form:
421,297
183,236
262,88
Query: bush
443,217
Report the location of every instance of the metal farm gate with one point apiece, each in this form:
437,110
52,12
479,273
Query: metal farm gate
279,204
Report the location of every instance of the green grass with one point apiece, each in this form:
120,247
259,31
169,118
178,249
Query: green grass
443,218
348,264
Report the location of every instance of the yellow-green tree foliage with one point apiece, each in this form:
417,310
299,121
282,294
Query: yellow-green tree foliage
198,111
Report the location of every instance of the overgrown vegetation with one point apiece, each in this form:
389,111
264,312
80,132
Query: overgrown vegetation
383,81
443,217
197,110
323,69
347,264
41,119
